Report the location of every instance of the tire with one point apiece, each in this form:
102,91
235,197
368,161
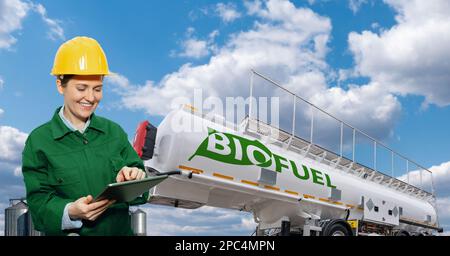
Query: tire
402,233
335,229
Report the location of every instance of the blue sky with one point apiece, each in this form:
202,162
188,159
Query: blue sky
380,65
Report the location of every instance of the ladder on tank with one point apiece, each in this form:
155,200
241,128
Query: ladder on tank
290,141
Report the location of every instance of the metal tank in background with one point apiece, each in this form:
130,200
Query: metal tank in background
18,220
139,222
31,230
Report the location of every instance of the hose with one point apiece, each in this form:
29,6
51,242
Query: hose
182,173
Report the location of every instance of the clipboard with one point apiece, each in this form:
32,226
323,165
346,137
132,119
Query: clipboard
127,191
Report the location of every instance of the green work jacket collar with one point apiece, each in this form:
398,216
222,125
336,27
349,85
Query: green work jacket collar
59,129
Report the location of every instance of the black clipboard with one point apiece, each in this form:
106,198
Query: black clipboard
127,191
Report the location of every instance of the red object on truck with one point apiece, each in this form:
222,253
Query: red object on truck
144,140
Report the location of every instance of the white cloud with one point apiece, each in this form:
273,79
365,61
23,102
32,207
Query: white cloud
375,25
12,142
56,31
194,48
355,5
2,219
290,45
1,87
443,207
118,79
197,48
441,179
313,2
252,6
213,35
267,45
381,108
227,12
445,233
412,56
12,13
441,171
170,221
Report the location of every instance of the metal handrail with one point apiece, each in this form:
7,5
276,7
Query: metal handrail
409,186
375,141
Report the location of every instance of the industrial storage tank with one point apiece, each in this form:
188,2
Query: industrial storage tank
139,222
30,227
18,220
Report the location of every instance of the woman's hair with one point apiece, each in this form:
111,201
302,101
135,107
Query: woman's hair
64,79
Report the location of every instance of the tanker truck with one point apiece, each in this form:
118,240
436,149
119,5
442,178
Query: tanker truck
290,185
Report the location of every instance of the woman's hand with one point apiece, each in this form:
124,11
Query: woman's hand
83,208
130,173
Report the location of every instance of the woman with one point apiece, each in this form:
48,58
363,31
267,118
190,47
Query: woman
70,159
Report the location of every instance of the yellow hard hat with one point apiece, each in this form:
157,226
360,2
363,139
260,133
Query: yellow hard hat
80,56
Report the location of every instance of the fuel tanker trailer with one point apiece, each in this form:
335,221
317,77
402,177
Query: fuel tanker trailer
292,186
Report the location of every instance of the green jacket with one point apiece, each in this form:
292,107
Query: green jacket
59,166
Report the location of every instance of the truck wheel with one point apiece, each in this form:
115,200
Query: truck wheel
402,233
335,229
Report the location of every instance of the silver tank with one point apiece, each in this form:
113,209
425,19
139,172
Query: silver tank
18,220
31,230
139,222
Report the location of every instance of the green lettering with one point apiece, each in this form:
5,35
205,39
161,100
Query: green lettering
219,144
278,162
329,181
317,176
232,149
256,155
305,170
238,149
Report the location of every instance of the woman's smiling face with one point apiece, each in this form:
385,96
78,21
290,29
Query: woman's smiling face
82,94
